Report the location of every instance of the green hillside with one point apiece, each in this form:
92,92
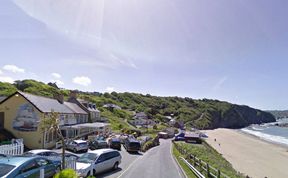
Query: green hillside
203,114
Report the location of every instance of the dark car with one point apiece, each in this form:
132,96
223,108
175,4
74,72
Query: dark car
115,143
98,144
132,145
180,137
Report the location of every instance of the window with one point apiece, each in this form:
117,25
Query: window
42,162
30,166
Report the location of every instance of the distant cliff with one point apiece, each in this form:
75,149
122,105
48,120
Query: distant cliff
202,114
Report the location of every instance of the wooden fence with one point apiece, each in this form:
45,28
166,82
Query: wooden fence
201,166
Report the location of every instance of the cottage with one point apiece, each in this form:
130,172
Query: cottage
90,108
21,113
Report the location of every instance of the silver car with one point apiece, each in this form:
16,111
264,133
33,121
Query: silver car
77,145
97,161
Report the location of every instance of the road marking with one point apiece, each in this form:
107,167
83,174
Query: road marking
177,165
129,167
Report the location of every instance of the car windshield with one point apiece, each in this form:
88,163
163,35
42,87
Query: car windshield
5,168
87,158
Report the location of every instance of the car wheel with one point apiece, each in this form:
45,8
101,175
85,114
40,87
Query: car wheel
115,167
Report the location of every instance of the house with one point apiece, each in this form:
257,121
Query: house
90,108
111,106
139,122
140,115
192,137
21,113
172,122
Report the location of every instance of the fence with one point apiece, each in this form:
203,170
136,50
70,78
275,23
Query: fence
16,148
200,165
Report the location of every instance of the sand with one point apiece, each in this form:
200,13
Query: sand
250,155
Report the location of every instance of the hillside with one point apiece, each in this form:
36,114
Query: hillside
202,114
279,114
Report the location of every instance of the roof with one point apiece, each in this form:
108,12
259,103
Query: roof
80,141
101,151
2,98
15,161
88,125
192,135
36,151
74,107
46,104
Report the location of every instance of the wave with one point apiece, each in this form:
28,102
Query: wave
257,129
267,137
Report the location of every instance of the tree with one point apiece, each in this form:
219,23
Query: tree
50,123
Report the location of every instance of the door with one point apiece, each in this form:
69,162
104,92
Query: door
1,120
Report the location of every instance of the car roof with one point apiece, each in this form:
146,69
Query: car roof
15,160
80,141
36,151
101,151
115,139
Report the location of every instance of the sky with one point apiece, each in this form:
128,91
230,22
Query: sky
235,51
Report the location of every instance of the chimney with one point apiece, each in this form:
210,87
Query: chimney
73,94
59,98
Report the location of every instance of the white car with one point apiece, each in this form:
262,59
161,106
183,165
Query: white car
97,161
77,145
41,152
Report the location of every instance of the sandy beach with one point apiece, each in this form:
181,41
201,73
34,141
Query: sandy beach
250,155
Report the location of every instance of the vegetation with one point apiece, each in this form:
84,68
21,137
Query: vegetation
202,114
50,123
183,165
207,154
66,173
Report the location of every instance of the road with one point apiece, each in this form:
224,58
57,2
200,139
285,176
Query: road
157,163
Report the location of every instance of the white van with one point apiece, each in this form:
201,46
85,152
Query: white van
96,161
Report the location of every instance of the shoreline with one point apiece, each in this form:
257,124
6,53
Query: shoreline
282,145
249,154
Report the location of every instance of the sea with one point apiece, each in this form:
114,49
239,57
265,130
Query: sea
270,132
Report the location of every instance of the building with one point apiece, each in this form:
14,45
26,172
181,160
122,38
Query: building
142,122
111,106
140,115
21,113
90,108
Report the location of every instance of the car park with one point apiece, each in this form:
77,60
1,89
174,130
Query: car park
97,161
132,145
19,167
114,143
77,145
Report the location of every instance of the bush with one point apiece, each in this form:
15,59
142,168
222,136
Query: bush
66,173
150,144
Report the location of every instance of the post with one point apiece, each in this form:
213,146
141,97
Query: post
218,174
91,170
194,158
208,171
42,174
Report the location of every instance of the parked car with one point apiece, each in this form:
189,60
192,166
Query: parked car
77,145
98,144
180,137
19,167
132,145
98,161
41,152
114,143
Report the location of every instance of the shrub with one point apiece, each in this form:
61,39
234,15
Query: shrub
66,173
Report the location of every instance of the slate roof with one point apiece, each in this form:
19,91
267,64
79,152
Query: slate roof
46,104
74,107
2,98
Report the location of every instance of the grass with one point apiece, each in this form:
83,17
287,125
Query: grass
210,156
183,165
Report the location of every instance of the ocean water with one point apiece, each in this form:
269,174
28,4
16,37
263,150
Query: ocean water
270,132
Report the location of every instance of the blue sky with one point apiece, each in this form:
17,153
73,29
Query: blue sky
229,50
